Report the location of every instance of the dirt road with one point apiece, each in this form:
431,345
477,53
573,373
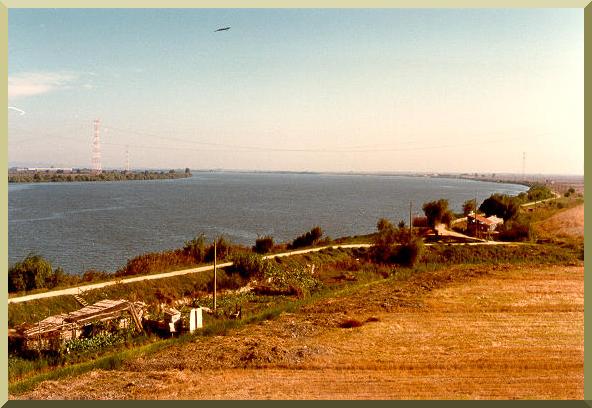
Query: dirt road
80,289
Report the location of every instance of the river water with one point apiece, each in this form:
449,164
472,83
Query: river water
81,226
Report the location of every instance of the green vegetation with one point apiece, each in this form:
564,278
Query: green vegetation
310,238
78,175
263,245
468,207
437,212
278,284
249,265
296,280
497,254
393,245
35,272
501,205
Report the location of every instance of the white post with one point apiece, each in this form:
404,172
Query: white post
195,319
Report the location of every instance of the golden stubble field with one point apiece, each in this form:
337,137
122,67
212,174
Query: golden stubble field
476,332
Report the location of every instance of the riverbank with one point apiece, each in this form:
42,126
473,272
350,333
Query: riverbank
77,175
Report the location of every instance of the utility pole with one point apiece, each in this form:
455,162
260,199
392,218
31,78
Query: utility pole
127,165
96,149
523,166
475,218
410,222
215,272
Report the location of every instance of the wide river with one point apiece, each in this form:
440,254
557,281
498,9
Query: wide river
82,226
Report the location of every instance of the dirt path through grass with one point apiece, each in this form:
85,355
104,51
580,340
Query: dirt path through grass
464,332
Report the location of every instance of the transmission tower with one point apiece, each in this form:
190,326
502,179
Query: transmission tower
127,166
96,149
523,165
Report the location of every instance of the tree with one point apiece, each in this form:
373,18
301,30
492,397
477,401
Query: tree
437,212
468,207
187,171
383,225
500,205
33,272
539,192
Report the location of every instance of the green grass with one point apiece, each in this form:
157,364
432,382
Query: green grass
494,254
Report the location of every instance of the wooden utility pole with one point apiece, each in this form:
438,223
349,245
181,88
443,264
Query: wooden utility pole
410,222
215,273
475,220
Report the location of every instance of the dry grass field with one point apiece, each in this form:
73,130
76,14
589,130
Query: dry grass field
475,332
565,224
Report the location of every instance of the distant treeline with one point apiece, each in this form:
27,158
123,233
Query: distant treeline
78,175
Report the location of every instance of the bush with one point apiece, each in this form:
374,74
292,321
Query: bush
350,323
409,253
223,249
384,225
33,272
538,192
263,245
297,280
248,265
516,230
308,239
196,248
406,254
468,207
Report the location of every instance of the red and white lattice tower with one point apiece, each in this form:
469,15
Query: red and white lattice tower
96,149
127,166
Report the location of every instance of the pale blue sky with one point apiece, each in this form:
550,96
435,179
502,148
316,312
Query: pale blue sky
320,90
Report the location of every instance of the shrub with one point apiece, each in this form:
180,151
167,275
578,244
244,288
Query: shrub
263,245
516,230
196,248
308,239
384,225
538,192
33,272
248,265
223,249
409,253
348,324
468,207
298,280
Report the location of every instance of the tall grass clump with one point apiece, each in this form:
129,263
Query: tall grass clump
263,245
310,238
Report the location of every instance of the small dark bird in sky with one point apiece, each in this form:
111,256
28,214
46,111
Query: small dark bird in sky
222,29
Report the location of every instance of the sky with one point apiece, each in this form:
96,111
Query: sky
301,90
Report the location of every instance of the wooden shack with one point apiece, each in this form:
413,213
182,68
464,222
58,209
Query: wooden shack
53,331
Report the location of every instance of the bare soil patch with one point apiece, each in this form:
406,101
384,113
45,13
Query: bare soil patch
464,332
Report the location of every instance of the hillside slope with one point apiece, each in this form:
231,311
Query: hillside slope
463,332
